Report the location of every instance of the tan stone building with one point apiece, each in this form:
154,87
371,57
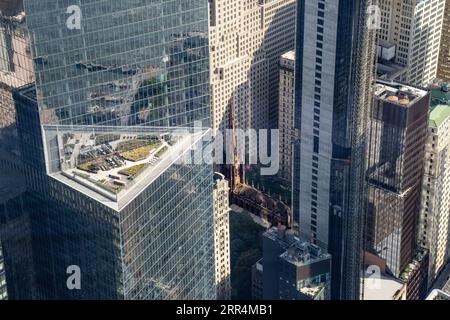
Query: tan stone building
247,38
222,237
435,204
444,55
286,114
414,27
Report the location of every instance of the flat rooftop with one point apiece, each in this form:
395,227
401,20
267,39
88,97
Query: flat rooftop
438,115
399,94
439,97
312,291
388,70
290,55
385,289
115,167
303,253
299,251
385,44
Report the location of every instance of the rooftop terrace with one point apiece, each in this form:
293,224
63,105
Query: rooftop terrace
114,167
399,94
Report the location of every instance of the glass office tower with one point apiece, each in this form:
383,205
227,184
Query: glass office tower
98,140
396,149
334,51
130,62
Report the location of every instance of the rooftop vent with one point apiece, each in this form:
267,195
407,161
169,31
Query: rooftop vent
393,98
404,101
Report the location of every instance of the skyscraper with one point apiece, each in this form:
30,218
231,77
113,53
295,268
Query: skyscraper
286,114
293,268
444,52
136,221
395,153
16,241
222,237
113,79
414,27
246,41
119,71
16,70
334,60
435,212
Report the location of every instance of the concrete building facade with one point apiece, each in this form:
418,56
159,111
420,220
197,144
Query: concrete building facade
257,280
247,38
414,27
333,76
286,114
435,208
114,78
444,53
16,70
395,153
221,195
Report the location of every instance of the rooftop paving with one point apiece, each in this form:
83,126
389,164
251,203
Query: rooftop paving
114,167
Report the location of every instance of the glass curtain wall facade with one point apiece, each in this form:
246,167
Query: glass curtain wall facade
130,62
334,60
134,63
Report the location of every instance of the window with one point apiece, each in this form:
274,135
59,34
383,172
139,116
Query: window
316,144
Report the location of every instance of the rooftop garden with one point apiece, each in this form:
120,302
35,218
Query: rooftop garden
106,138
108,186
103,163
137,150
102,183
111,161
134,171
